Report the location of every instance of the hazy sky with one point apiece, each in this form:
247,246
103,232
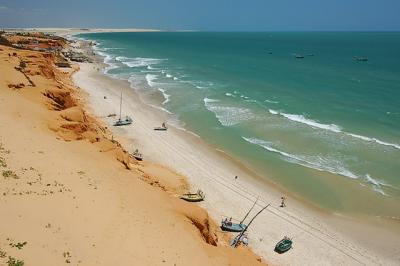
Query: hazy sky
204,14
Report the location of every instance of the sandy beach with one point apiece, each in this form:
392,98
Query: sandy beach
70,194
74,194
320,238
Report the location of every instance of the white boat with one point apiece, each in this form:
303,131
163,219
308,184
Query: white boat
122,122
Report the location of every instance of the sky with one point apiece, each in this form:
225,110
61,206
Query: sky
207,15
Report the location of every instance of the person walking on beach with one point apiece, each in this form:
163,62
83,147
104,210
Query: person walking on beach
236,177
283,204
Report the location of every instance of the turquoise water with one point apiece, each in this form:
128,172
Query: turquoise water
325,127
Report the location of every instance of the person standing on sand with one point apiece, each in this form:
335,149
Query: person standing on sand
283,204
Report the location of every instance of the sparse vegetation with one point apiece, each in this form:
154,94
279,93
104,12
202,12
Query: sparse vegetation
2,254
19,245
9,173
14,262
3,162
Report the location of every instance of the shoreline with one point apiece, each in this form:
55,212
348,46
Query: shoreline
135,107
72,194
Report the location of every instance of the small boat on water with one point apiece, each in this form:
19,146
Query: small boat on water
360,58
122,122
284,245
162,128
299,56
194,197
137,155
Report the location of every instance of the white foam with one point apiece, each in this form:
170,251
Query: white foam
168,75
108,60
166,96
150,79
269,101
376,184
309,122
330,127
227,115
139,61
397,146
273,112
208,100
317,163
175,78
229,94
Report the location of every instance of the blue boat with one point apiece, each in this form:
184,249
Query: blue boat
227,225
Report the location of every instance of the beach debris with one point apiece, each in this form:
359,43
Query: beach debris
194,197
111,115
283,245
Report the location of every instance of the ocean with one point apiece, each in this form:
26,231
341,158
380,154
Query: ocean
297,108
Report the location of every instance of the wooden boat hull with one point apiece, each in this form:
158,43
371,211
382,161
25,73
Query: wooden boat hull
123,122
160,128
233,227
192,198
283,245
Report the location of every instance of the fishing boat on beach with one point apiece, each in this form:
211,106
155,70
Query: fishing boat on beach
284,245
229,226
162,128
137,155
122,122
194,197
242,239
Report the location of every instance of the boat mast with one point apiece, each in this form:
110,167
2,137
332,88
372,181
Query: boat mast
120,106
244,230
249,211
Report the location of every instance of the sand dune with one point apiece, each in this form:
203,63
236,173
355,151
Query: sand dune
71,194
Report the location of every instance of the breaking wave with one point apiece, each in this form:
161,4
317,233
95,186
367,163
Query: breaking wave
314,162
228,115
166,96
330,127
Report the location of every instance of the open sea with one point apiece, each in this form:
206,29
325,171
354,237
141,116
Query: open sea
325,127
